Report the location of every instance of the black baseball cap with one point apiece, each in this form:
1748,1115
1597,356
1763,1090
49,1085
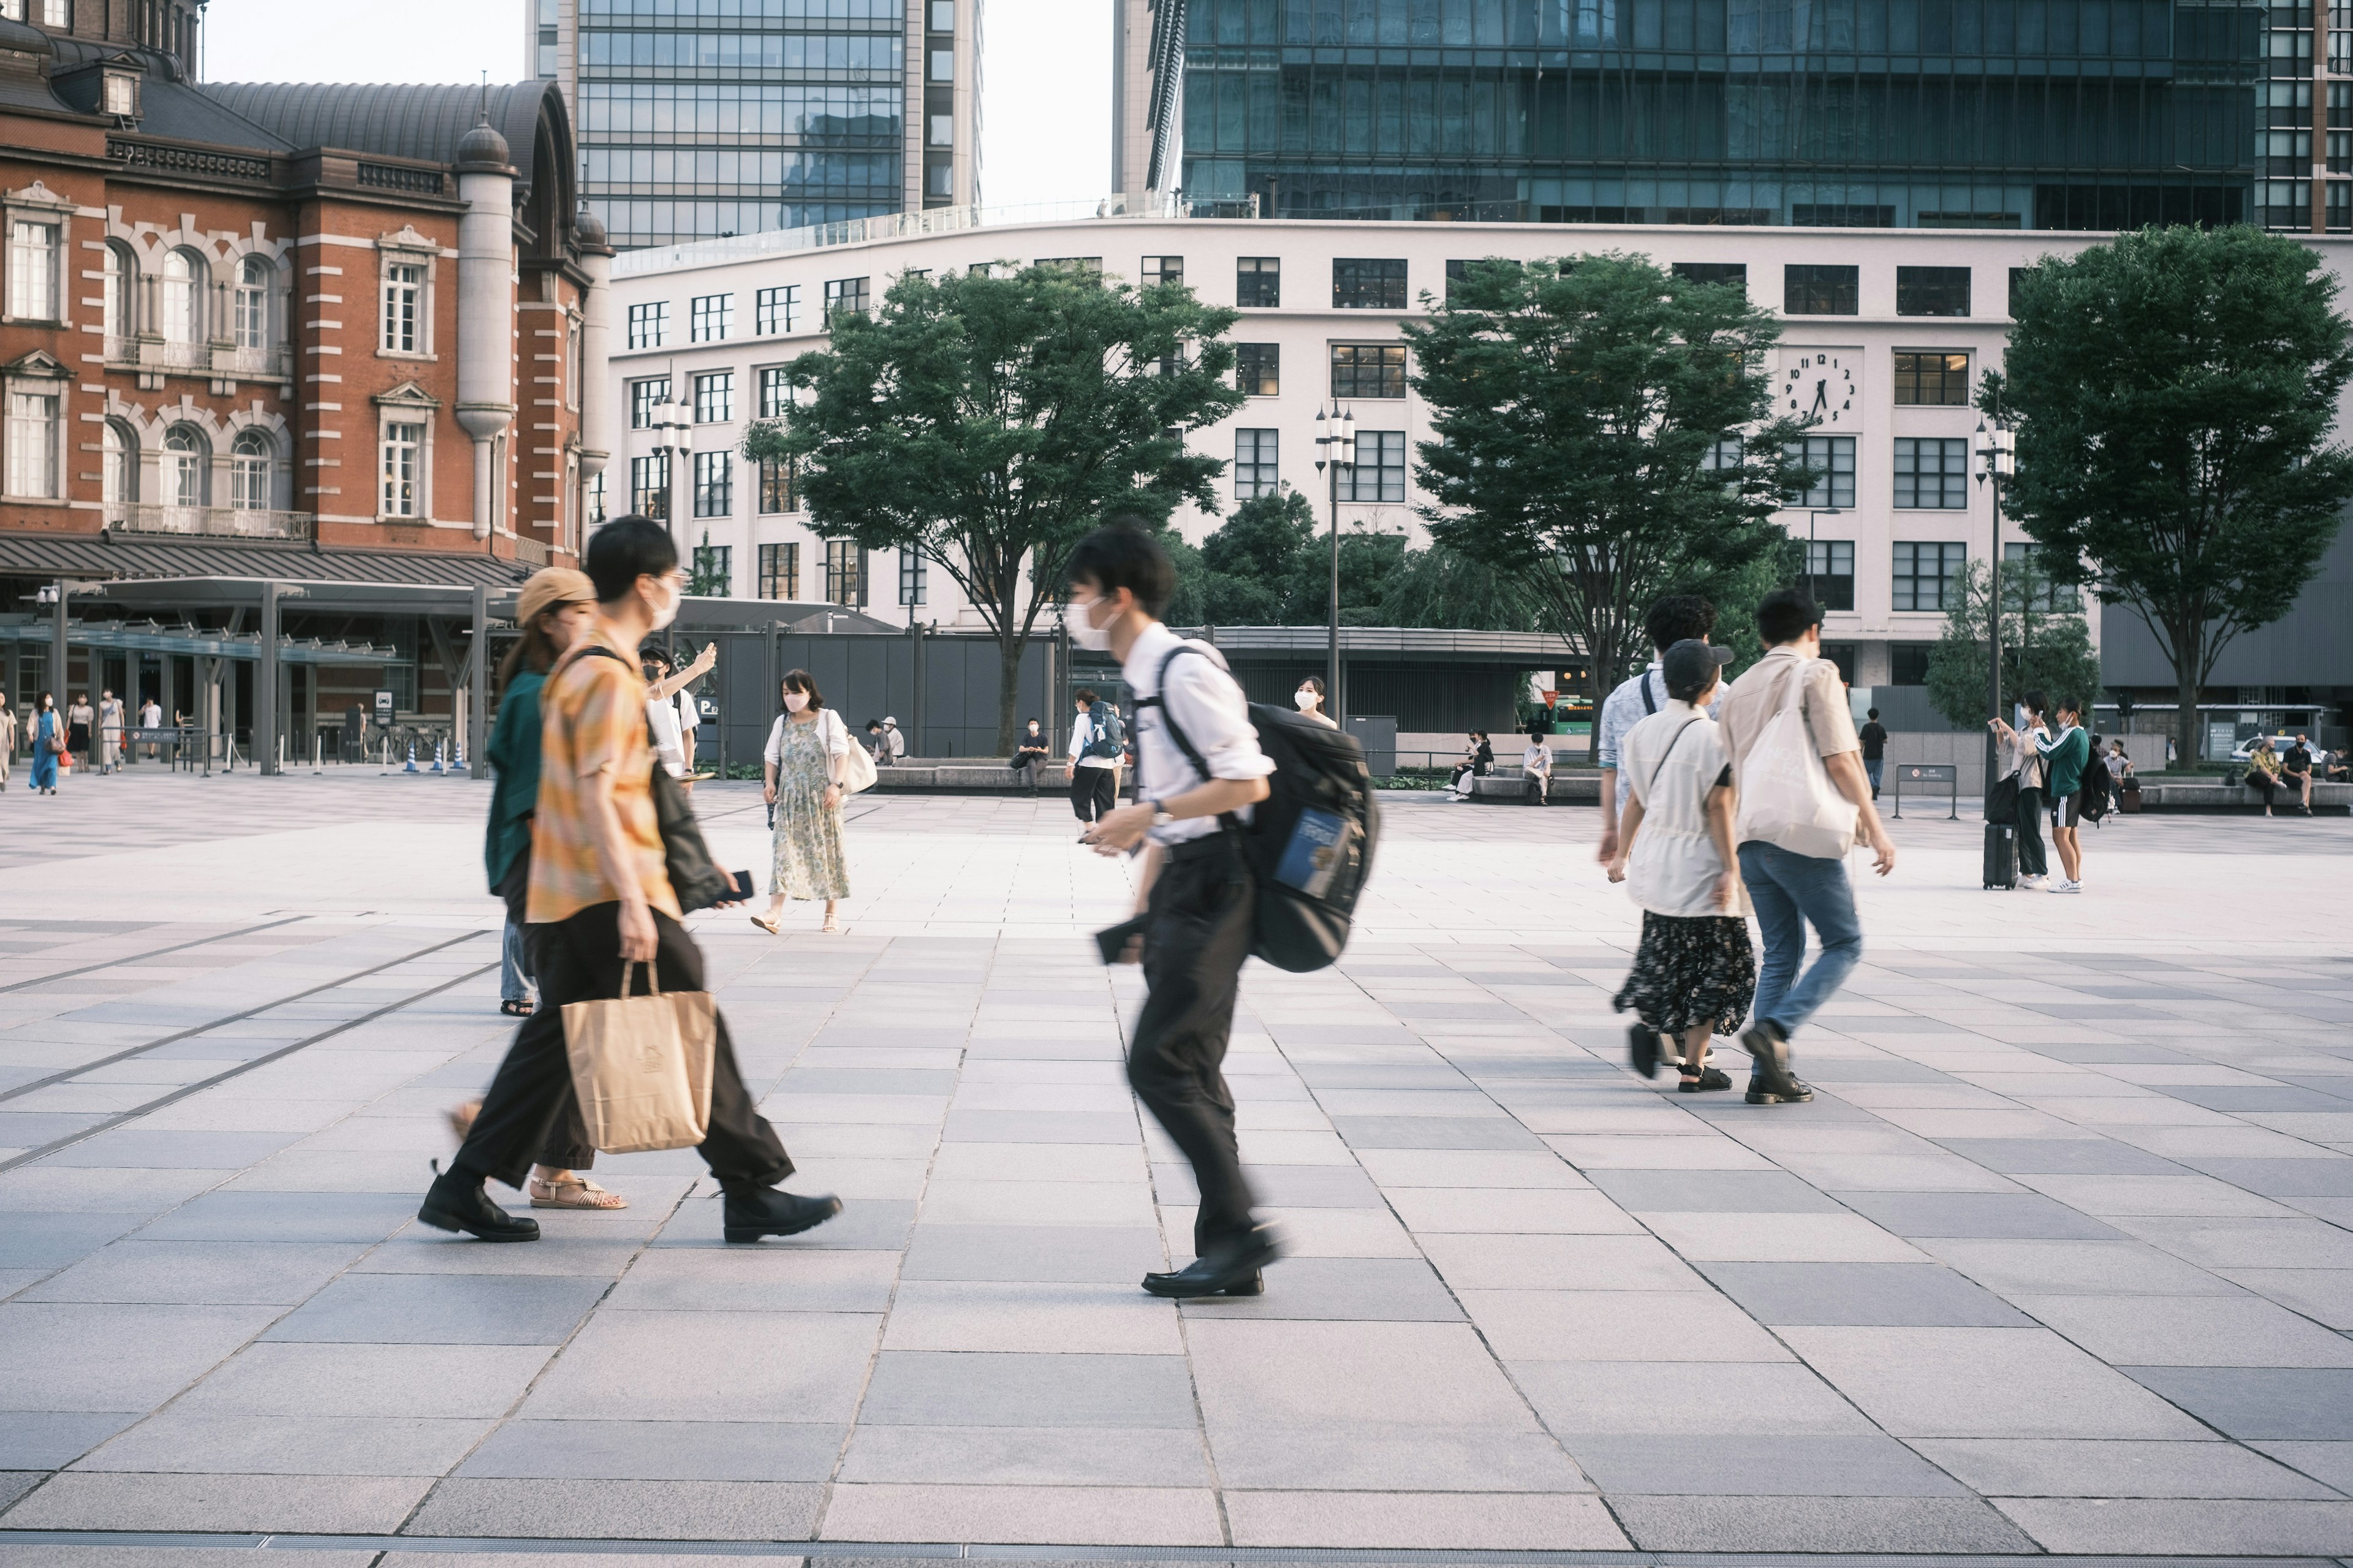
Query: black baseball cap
1689,665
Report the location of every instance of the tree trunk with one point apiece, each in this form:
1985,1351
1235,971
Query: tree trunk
1011,639
2185,712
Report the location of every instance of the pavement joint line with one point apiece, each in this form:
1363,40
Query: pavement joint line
518,1545
30,1155
141,957
212,1024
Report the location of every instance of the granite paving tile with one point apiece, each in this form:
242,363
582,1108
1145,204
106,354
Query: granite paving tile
2027,1467
1819,1524
178,1439
2177,1526
364,1505
1109,1516
2007,1215
1025,1456
928,1388
1861,1295
1783,1466
658,1451
2259,1402
1916,1383
85,1356
427,1309
1428,1521
2190,1331
624,1509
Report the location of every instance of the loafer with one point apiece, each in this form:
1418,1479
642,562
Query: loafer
1792,1093
458,1203
772,1211
1234,1271
1642,1048
1771,1075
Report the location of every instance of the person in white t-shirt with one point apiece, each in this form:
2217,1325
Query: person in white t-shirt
150,716
1695,973
1536,768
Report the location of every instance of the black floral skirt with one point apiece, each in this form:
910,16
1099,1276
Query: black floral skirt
1691,969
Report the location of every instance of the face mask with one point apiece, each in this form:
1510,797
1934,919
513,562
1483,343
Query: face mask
794,701
1083,631
1304,697
665,605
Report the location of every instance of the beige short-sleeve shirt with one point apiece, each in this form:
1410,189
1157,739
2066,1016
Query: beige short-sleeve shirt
1752,700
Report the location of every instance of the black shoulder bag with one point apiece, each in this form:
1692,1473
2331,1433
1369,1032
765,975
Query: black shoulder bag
694,877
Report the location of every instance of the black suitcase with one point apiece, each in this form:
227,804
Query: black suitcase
2001,854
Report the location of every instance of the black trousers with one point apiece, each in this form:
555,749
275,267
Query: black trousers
1198,933
579,960
567,1147
1091,792
2033,805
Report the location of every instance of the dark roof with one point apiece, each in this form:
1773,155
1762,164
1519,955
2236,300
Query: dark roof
424,123
176,112
111,556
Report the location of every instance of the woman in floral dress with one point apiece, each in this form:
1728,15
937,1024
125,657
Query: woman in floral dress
803,766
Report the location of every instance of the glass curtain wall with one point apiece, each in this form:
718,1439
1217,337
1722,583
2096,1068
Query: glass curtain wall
1872,113
700,118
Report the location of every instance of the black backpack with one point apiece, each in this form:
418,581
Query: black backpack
2098,789
1309,842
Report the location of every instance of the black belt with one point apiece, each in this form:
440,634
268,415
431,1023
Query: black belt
1218,843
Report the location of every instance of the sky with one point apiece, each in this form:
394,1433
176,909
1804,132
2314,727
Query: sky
1045,107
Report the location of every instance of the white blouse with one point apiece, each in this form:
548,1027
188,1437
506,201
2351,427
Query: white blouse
1672,760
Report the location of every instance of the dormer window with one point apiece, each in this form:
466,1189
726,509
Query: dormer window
120,95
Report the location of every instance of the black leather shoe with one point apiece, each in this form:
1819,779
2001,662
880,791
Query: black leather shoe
456,1202
1642,1048
1771,1075
1230,1272
772,1211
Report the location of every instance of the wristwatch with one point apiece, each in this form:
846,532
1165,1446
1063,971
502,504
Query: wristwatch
1161,819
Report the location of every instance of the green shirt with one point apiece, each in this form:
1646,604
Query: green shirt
514,754
2067,755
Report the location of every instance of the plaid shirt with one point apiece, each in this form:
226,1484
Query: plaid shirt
595,724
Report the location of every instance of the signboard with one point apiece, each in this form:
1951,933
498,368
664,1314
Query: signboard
383,709
1915,775
1929,772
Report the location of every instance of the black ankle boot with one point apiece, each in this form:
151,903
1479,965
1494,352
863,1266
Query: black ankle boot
755,1212
456,1202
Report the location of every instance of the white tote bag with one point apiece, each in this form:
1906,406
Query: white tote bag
857,762
1785,794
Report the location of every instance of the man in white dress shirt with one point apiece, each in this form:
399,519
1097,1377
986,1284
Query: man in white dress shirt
1197,893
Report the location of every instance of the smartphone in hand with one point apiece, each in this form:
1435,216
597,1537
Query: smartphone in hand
1112,941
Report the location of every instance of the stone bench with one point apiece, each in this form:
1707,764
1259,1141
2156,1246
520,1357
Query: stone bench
2223,795
961,775
1507,786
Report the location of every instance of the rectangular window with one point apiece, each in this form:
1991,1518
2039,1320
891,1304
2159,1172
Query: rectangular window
403,456
942,131
714,570
1160,269
1928,576
649,324
2019,278
715,484
1368,283
1380,473
33,444
1257,282
780,571
939,179
914,580
1820,292
845,574
778,311
712,318
1938,379
775,392
779,486
33,271
644,397
1829,572
1831,457
650,487
1713,271
943,65
56,12
121,94
2048,596
1258,369
714,397
943,15
1729,453
845,294
404,303
1932,290
1256,472
1908,663
1368,369
1932,473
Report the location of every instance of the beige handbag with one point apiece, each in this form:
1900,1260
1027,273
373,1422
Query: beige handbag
641,1066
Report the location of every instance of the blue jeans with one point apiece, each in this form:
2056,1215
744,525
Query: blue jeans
1791,892
1876,767
514,967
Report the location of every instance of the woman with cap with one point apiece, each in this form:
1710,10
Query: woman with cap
557,607
1695,971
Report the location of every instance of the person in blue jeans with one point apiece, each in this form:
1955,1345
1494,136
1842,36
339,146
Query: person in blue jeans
1790,702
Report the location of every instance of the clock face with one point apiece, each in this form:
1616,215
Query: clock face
1820,384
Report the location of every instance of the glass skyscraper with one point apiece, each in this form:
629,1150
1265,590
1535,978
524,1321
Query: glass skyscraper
703,118
1872,113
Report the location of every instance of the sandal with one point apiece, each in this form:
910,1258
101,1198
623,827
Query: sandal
1709,1078
516,1008
584,1195
831,927
767,923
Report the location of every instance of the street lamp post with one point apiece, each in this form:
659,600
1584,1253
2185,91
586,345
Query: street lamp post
674,442
1335,448
1996,460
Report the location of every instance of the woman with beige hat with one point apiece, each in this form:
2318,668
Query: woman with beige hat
557,607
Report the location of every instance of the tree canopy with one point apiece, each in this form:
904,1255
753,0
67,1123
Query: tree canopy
987,422
2175,394
2046,645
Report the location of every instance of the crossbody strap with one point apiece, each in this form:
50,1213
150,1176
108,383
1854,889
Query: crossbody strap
1653,785
1175,731
1649,703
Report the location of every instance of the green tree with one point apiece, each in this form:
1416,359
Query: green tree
1605,432
1251,564
705,579
2046,645
2174,392
987,422
1441,586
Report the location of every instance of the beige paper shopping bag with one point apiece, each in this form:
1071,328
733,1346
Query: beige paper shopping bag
641,1066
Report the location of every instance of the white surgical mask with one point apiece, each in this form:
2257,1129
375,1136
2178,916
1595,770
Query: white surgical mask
1304,697
1083,630
794,701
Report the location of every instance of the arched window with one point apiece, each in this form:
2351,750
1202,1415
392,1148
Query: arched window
253,280
122,281
183,298
122,469
186,473
250,460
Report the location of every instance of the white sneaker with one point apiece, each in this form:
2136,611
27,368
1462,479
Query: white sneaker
2068,888
2031,883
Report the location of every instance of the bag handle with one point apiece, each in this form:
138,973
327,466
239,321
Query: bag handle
1653,785
653,980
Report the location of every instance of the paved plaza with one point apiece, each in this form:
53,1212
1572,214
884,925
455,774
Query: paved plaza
2060,1261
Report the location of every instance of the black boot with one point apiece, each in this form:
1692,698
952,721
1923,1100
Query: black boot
456,1202
755,1212
1230,1271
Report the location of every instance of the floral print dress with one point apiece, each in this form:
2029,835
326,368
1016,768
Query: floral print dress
809,863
